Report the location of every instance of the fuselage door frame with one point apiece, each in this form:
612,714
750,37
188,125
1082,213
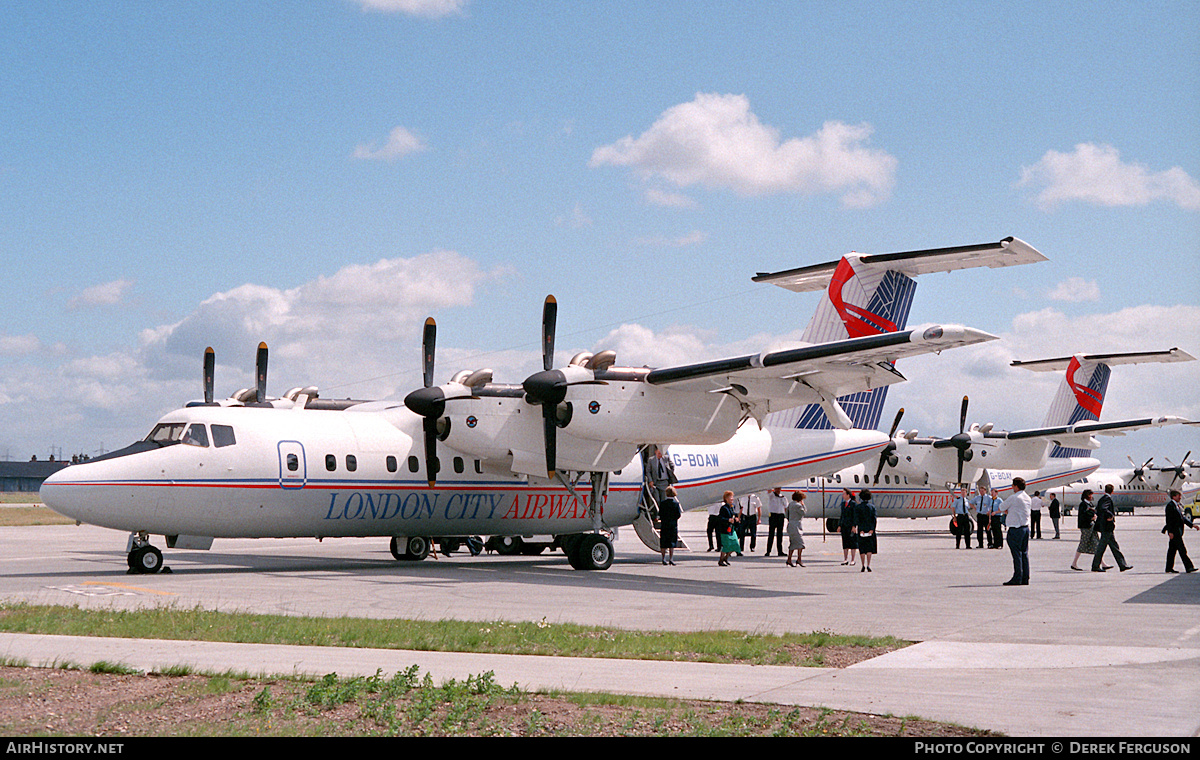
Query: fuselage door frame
293,467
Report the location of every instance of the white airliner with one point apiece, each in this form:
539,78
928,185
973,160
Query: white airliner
917,477
556,455
1139,486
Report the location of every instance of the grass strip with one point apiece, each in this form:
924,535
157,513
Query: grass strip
540,638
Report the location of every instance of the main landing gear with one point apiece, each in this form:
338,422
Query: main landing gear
411,548
588,551
143,557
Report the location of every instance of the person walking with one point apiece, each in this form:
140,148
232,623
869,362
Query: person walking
1106,527
1086,519
669,512
726,521
1176,520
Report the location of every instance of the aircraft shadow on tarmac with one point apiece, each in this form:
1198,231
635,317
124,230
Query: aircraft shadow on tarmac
540,571
1177,589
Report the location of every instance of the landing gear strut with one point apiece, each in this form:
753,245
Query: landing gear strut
143,557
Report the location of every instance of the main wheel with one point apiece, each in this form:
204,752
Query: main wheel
594,552
416,548
145,560
831,525
506,545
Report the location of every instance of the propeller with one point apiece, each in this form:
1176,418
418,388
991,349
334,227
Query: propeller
548,388
888,455
1180,470
210,365
962,441
1139,473
429,401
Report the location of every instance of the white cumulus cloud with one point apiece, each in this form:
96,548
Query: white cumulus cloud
425,8
400,142
1096,174
1075,290
105,294
717,141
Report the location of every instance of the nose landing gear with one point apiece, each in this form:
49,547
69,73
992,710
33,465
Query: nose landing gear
144,558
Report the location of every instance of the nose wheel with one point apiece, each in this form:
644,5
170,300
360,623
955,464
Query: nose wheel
144,560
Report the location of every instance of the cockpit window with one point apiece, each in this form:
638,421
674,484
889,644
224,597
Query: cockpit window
223,436
196,435
166,432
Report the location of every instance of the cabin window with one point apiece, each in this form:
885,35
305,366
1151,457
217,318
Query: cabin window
413,464
391,463
838,478
196,435
459,466
478,467
855,478
223,436
293,463
330,462
351,462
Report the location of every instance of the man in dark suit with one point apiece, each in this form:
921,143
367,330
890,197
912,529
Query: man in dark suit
1176,522
1106,526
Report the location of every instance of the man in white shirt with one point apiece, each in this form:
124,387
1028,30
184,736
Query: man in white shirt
750,512
776,510
1035,515
1016,517
962,519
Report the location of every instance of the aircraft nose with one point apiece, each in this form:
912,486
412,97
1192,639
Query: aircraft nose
58,494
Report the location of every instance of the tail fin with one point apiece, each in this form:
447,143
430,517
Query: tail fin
1080,396
868,294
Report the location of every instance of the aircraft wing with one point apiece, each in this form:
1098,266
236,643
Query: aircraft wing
1007,252
817,373
1079,435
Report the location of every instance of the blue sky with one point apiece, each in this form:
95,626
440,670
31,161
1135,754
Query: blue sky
325,175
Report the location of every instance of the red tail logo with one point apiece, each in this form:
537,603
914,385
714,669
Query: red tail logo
859,322
1087,398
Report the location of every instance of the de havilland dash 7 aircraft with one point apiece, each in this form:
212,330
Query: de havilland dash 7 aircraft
1140,485
557,454
917,477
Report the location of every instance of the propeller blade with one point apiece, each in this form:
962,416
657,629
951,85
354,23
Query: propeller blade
891,446
962,417
429,424
260,373
550,433
210,364
549,319
428,338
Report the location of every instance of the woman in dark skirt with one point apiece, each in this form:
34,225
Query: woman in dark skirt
865,526
669,513
846,520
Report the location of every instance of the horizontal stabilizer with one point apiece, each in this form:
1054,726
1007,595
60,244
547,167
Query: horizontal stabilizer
1007,252
1136,357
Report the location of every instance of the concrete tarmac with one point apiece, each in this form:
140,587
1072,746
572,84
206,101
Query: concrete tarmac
1074,654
